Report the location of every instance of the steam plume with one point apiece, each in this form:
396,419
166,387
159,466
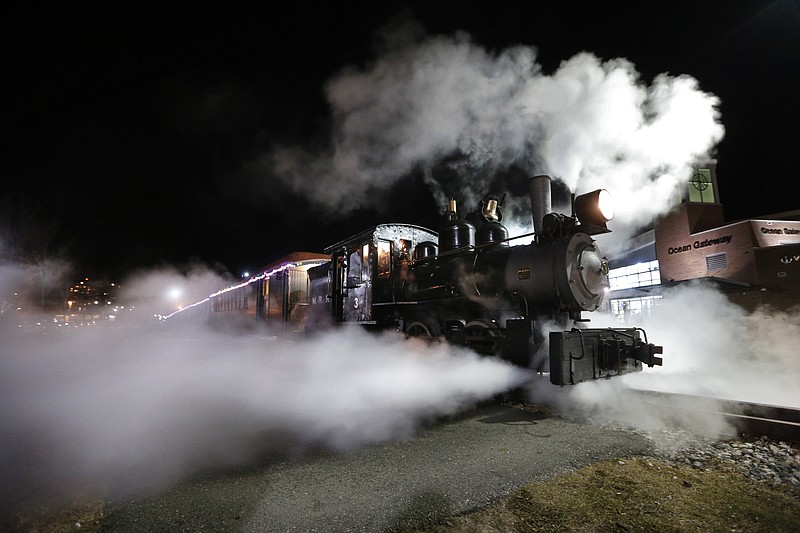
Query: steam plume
591,124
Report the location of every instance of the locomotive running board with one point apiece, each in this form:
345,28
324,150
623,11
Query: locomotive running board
586,354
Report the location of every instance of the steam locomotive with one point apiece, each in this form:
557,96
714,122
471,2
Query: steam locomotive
467,285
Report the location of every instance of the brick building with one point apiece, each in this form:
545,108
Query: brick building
754,261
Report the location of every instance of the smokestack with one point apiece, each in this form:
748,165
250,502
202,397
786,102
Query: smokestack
541,203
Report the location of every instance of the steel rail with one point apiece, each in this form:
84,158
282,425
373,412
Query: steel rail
749,418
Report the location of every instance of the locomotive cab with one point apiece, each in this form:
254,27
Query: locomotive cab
369,269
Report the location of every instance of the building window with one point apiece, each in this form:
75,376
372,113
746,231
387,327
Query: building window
638,275
701,187
634,310
717,261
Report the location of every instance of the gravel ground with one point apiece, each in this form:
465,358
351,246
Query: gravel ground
759,459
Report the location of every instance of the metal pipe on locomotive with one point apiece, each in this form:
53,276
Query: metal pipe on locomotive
470,286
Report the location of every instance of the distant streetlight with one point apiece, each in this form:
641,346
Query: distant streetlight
174,295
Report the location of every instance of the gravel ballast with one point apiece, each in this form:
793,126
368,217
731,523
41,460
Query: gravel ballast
760,459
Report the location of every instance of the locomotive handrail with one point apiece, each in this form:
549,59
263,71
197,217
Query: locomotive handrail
583,346
644,334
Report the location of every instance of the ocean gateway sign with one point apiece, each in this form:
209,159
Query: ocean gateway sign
725,239
776,232
779,231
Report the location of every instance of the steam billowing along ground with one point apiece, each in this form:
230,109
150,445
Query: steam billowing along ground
121,409
712,348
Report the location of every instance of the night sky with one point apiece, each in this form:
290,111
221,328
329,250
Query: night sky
135,128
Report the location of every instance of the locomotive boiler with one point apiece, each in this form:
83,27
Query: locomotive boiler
470,285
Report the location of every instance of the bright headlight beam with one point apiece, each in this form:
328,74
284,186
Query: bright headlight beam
605,204
594,209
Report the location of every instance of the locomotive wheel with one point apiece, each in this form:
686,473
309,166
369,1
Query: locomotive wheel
484,337
420,330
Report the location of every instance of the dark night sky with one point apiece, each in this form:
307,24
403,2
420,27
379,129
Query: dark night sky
133,126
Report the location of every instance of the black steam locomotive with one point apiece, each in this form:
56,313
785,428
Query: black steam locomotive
470,286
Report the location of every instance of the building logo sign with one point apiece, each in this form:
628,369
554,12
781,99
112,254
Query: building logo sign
787,259
780,231
725,239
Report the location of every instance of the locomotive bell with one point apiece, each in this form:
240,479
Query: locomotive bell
490,211
491,231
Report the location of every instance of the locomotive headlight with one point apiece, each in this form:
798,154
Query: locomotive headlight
605,204
594,209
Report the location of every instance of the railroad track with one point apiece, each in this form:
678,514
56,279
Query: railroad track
749,419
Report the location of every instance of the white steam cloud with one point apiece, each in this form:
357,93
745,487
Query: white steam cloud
591,124
124,408
712,348
717,348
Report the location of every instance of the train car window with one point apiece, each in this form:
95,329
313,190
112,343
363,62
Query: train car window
365,263
405,249
384,259
354,268
341,264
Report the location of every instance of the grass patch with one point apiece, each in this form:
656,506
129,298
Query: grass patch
638,495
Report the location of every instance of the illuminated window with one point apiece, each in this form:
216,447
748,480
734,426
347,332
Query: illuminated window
365,263
631,276
701,187
354,268
384,259
634,310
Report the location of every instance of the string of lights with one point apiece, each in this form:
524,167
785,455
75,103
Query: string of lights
252,279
